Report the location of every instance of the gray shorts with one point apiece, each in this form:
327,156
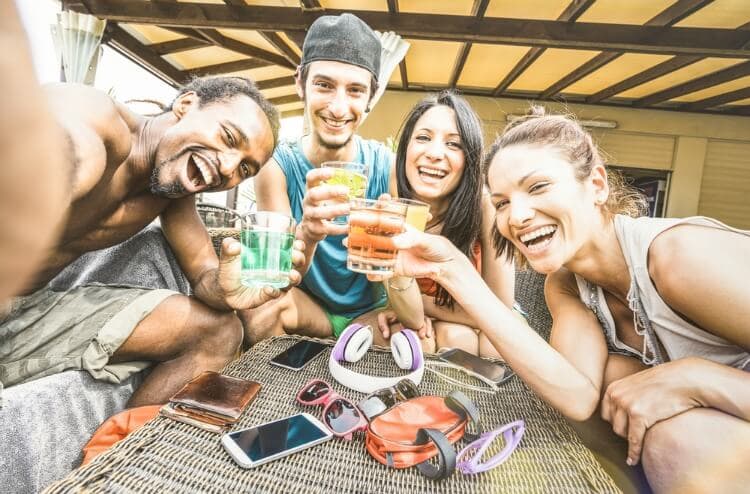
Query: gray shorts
52,331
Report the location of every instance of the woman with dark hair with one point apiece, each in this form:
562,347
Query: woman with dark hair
439,162
650,315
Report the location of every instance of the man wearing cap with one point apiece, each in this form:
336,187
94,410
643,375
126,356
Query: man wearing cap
336,79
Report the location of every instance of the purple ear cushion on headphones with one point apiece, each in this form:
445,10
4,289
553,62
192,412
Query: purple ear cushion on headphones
338,349
416,348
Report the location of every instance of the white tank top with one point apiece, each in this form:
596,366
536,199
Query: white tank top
662,329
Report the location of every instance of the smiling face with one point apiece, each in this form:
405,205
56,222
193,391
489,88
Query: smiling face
542,208
212,147
435,155
336,96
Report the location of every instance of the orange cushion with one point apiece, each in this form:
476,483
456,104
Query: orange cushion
117,427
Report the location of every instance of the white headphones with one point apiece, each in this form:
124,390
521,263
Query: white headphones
354,343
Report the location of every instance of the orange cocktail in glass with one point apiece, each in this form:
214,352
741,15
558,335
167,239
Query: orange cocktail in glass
372,224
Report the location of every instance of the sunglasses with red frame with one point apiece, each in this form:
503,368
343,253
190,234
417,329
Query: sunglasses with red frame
340,415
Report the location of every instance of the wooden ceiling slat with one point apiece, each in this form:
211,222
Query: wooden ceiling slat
393,9
718,100
582,71
477,10
274,83
280,45
668,17
652,73
177,46
284,100
249,50
131,48
728,74
677,11
224,68
572,12
584,36
293,113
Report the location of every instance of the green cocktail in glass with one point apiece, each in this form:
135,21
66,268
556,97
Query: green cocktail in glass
267,239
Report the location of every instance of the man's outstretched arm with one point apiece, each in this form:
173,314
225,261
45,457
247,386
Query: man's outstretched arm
34,175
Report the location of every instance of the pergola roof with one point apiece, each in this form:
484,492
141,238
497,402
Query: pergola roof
688,55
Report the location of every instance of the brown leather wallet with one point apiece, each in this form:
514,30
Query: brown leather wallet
216,396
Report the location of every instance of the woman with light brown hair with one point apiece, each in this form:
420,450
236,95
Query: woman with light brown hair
650,315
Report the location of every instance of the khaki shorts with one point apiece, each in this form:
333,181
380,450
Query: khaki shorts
48,332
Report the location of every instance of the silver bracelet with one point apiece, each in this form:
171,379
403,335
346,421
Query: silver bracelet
398,288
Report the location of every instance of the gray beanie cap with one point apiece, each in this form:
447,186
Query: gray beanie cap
344,38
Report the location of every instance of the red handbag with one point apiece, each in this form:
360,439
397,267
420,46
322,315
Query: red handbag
414,431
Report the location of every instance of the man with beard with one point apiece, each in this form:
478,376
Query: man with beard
336,79
125,170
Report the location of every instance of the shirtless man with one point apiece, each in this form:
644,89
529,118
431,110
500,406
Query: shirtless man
125,171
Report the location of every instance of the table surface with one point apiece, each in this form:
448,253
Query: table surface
166,456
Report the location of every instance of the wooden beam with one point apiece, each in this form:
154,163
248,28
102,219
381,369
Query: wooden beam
516,71
278,43
285,100
125,44
572,12
478,10
595,63
736,110
224,68
707,42
293,113
718,100
721,76
177,46
393,9
652,73
669,16
297,37
274,83
249,50
677,12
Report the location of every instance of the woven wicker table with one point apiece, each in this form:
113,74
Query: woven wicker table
165,456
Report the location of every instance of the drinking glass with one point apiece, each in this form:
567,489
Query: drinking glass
372,224
416,213
267,239
352,175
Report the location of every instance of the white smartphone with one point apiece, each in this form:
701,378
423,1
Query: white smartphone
273,440
297,356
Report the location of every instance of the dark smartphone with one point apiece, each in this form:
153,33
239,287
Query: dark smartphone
298,355
480,368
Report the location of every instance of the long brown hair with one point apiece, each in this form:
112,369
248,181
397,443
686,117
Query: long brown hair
564,133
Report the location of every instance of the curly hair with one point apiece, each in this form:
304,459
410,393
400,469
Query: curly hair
216,89
565,134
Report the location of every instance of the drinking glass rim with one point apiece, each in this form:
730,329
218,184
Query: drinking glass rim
363,202
411,202
342,164
269,214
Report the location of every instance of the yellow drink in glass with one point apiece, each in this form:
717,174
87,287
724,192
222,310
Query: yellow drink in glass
351,175
416,213
355,182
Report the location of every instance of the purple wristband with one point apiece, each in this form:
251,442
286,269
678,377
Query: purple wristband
469,460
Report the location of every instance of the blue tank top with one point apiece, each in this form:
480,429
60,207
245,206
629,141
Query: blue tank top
337,289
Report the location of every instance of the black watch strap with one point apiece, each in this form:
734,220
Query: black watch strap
446,457
462,405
